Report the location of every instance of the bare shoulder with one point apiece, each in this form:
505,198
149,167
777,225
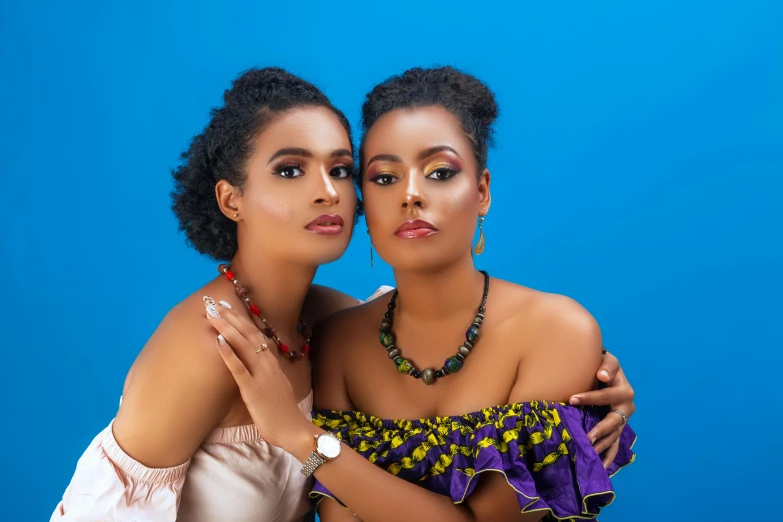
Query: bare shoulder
558,340
323,301
562,317
546,314
178,389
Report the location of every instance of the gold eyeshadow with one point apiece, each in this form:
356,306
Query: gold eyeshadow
440,166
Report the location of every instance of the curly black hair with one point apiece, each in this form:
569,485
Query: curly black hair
464,95
222,150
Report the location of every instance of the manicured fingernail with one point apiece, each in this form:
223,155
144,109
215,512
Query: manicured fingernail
603,373
224,304
209,303
221,340
592,439
574,400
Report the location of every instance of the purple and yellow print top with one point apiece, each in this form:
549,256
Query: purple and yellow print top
540,447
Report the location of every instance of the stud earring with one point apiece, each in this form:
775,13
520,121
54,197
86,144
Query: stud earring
479,248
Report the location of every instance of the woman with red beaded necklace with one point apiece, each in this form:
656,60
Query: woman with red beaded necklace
425,184
267,185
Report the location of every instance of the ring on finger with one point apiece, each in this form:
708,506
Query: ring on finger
264,347
623,415
604,351
209,304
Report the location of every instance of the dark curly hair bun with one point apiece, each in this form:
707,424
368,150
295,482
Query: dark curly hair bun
223,148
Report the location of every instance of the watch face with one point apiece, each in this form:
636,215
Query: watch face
328,445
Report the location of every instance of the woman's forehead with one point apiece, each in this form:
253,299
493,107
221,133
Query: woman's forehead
415,128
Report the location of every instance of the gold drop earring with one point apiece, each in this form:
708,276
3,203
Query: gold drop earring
479,248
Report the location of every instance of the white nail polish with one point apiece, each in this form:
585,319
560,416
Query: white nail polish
225,304
221,340
212,311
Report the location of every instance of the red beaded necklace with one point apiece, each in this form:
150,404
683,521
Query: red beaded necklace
269,329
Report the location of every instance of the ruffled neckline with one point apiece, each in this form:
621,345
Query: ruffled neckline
482,415
540,447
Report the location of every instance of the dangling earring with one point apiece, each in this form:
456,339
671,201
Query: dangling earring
479,248
372,261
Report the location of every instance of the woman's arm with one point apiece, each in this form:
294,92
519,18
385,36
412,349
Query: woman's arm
178,392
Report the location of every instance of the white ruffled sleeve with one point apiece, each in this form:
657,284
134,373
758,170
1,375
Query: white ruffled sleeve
109,485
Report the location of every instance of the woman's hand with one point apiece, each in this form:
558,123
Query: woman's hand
265,389
618,395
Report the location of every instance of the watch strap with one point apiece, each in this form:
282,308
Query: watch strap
312,464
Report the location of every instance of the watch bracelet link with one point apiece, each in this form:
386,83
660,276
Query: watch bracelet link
312,464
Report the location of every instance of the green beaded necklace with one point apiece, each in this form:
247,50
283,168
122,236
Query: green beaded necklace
454,363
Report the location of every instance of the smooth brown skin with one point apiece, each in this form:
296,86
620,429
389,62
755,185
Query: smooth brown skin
533,345
178,390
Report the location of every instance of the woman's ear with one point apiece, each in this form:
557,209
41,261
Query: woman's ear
228,200
485,197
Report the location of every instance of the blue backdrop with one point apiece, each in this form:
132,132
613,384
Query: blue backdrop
638,169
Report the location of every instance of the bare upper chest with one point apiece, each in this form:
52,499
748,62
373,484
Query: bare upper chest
376,386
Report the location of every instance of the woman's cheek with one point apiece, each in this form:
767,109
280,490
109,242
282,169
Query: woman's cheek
276,207
458,199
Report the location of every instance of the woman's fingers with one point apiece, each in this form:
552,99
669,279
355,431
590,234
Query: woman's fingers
608,425
611,452
238,370
258,342
602,443
615,395
591,398
609,367
229,333
239,332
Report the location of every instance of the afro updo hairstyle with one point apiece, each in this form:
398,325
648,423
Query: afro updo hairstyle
462,94
222,150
